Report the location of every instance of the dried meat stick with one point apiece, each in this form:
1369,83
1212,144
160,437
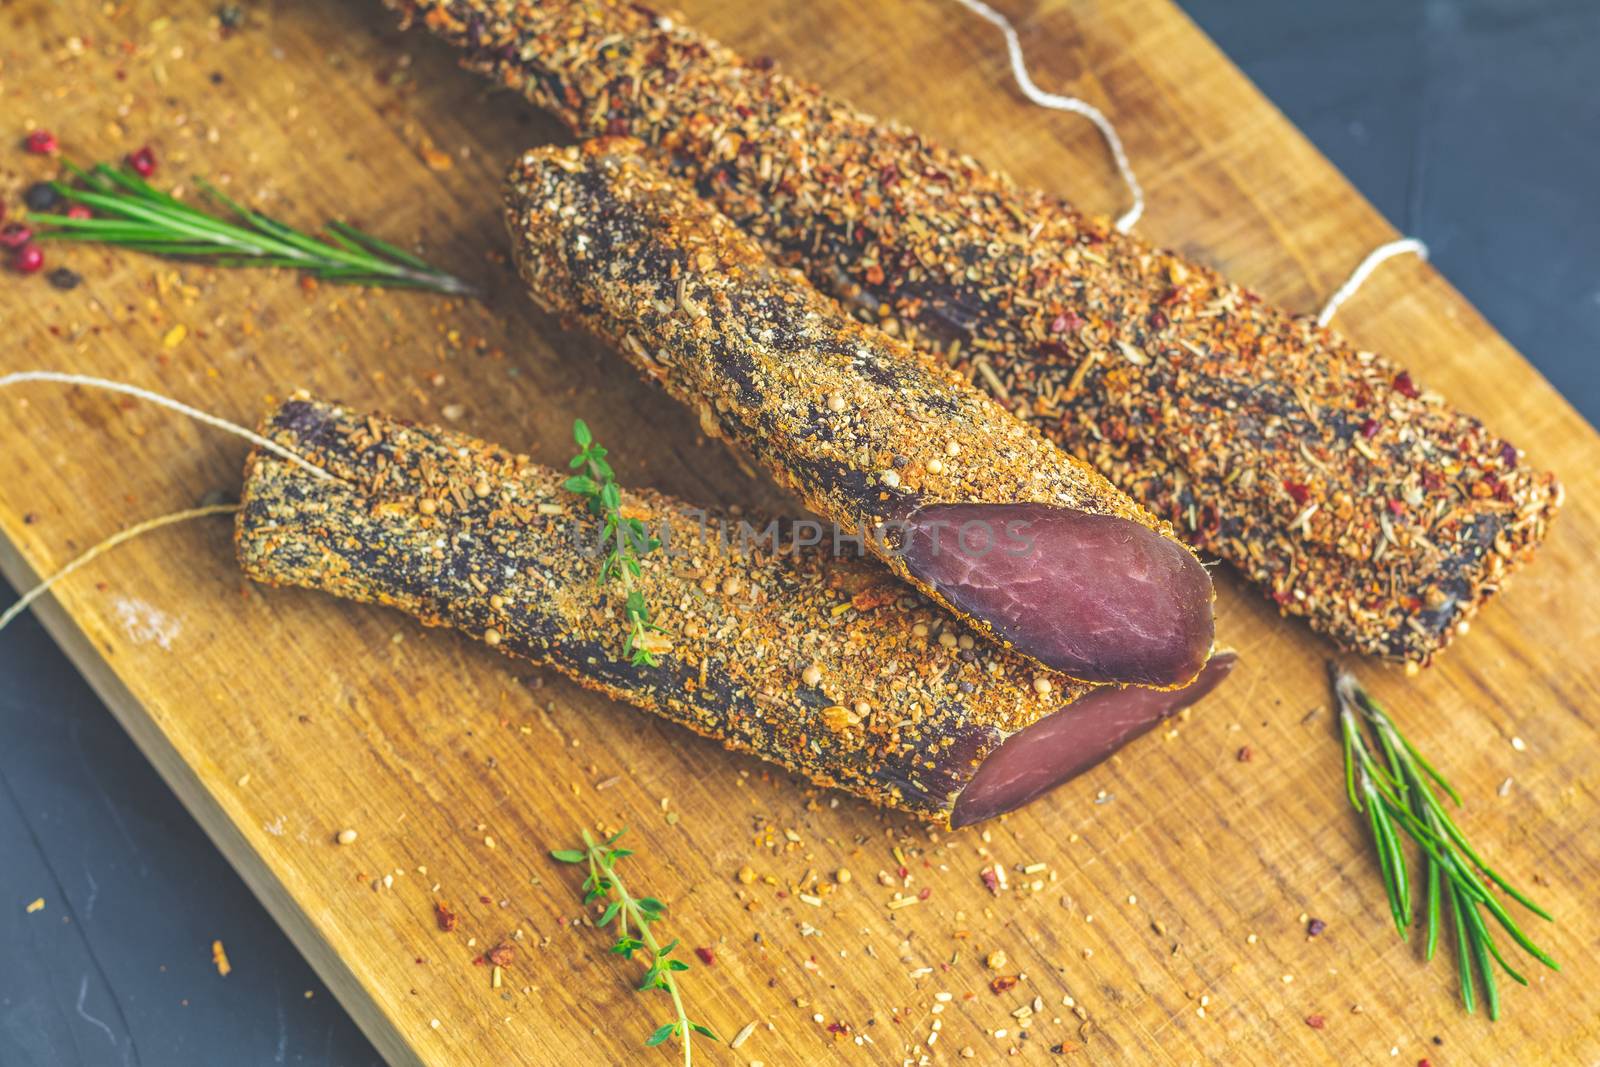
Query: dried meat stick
1328,475
825,665
1031,545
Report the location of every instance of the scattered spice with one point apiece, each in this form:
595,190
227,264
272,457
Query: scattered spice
1317,1022
36,905
501,955
1315,927
444,917
347,837
15,235
220,958
707,957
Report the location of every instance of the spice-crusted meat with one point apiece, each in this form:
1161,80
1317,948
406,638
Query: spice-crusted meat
975,508
826,665
1326,474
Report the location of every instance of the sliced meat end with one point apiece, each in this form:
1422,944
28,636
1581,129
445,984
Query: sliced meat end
1035,760
1098,597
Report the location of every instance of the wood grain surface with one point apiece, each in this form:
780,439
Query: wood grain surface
1170,889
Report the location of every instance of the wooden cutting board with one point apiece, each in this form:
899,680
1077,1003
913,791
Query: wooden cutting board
1166,893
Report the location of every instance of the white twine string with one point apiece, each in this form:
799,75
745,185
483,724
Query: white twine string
1364,270
107,545
166,402
149,524
1126,222
1057,102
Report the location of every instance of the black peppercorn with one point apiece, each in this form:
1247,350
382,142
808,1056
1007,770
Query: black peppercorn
62,278
41,196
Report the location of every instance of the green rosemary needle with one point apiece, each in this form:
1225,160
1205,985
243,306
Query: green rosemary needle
633,915
131,213
626,540
1390,782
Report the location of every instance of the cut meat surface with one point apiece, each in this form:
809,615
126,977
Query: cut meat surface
1102,598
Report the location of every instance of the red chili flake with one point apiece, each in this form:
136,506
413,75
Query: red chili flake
1369,429
874,275
1299,492
1317,1022
838,1028
79,211
484,900
501,955
1245,754
444,916
1066,322
1397,507
707,957
1003,983
1158,320
925,894
1315,927
991,880
143,162
41,143
1405,385
28,259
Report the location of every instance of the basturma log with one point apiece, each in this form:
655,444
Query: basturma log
1352,495
825,665
1031,545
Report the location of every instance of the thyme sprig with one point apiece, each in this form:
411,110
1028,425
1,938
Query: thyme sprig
131,213
633,916
1390,782
626,539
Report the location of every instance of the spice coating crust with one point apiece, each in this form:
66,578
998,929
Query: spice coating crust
904,705
863,428
1324,473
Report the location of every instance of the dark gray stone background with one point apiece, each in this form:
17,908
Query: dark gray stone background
1470,123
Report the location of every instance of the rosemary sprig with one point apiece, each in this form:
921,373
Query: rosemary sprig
131,213
634,915
627,540
1389,781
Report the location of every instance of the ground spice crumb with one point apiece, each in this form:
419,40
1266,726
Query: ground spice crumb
36,906
707,957
446,918
1245,754
996,959
501,955
219,956
346,837
1317,1022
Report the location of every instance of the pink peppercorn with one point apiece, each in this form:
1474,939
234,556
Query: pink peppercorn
41,143
14,235
79,211
143,162
28,259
